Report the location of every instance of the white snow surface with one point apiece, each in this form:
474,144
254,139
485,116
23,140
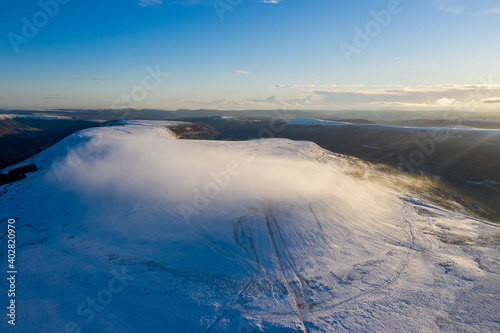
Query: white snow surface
34,116
6,116
258,236
42,116
454,129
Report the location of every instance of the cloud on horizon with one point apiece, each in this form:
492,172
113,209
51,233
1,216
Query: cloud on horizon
433,95
491,100
358,96
365,96
59,97
468,7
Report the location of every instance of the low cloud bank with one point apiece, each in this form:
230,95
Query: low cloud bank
194,176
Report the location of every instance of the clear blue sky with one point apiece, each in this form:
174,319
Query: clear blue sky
429,54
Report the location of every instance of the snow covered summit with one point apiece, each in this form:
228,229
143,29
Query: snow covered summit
128,229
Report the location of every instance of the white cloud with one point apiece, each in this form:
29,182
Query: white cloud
484,95
446,101
169,174
491,100
450,6
300,101
146,3
241,73
490,11
422,96
332,86
468,7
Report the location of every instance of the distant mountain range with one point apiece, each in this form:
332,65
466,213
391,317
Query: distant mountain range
284,114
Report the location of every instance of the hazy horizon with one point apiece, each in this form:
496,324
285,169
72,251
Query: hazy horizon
240,55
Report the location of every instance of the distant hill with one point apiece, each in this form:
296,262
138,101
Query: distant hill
285,114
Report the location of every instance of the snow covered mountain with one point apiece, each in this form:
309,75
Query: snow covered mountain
128,229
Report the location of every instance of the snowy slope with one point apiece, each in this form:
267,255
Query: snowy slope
452,131
127,229
35,116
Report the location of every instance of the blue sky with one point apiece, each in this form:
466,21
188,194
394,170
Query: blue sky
246,54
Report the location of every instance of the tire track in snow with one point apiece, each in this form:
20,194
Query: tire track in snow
402,266
5,189
298,285
226,252
228,306
287,266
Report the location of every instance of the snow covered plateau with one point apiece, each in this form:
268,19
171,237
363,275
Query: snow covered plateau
128,229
